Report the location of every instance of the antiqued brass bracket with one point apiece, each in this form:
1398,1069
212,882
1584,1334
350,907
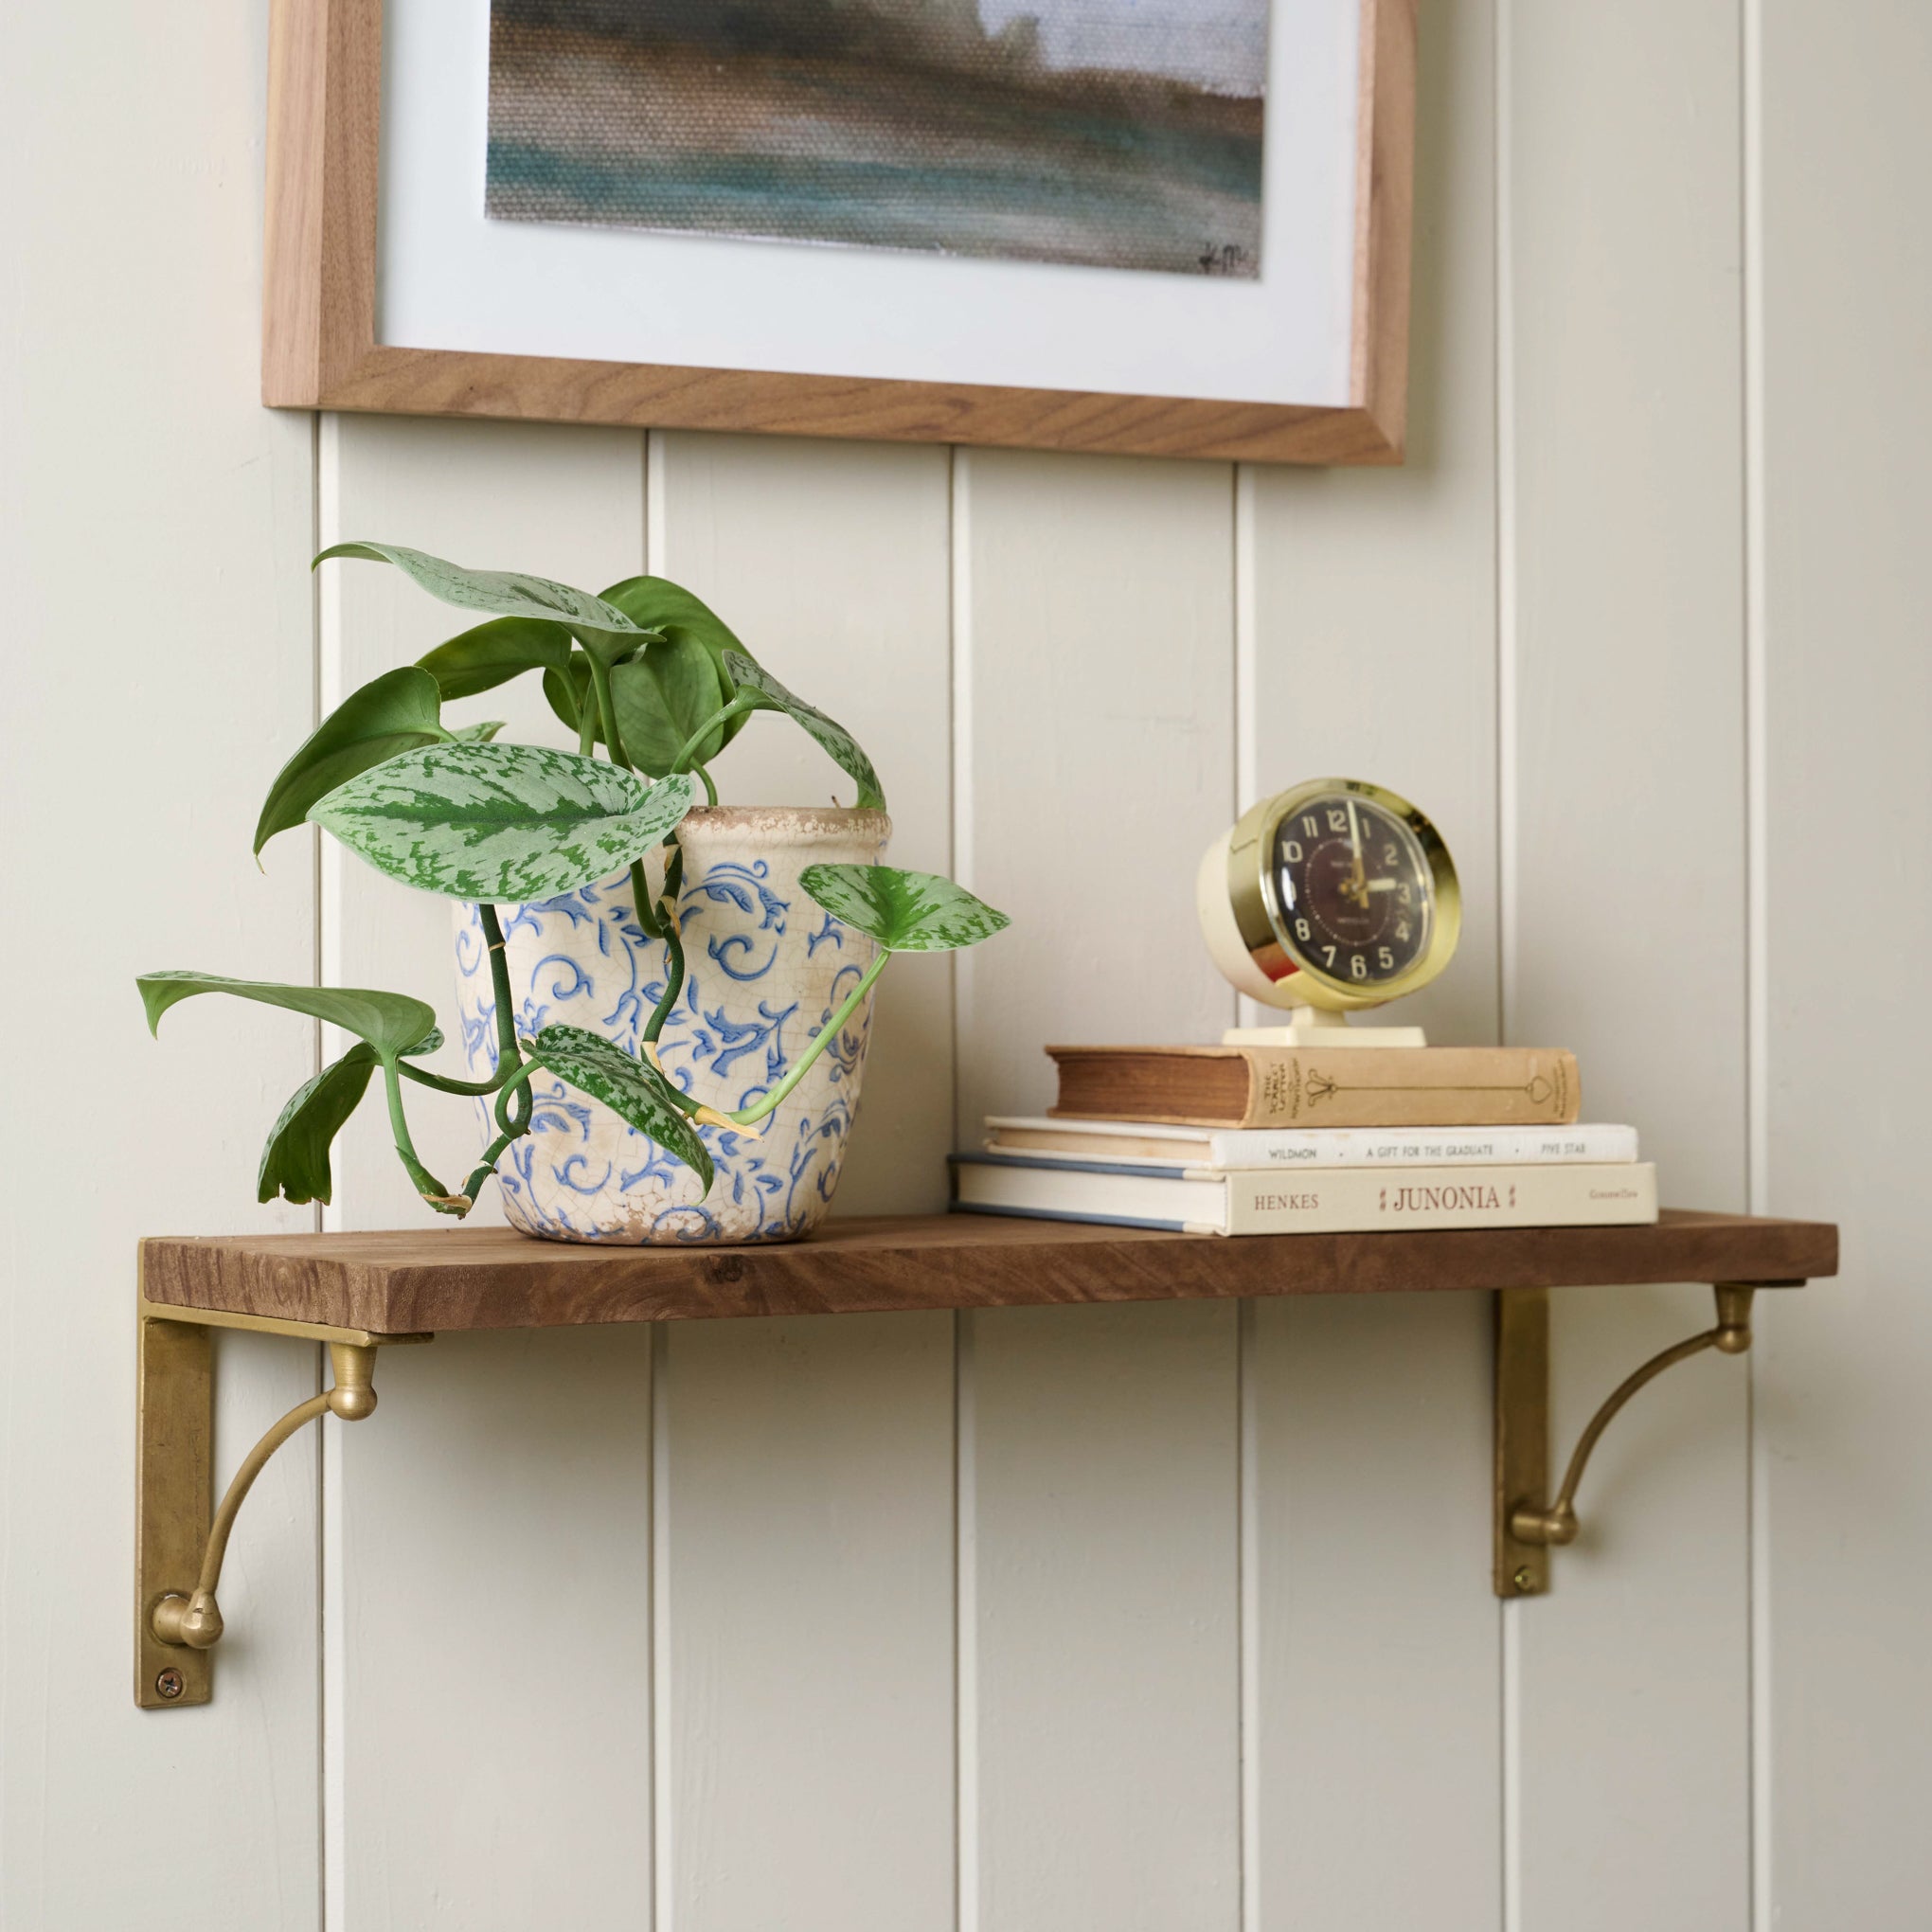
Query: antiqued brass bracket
1526,1528
180,1539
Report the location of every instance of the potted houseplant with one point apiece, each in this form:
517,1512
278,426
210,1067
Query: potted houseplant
664,1003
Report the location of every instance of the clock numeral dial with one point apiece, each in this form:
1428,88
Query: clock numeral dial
1355,890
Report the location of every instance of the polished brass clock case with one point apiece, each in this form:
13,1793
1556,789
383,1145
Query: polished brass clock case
1274,951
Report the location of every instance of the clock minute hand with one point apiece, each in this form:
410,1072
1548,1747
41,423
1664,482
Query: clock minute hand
1357,887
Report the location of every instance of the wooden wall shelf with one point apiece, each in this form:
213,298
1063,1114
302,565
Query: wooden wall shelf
360,1293
440,1280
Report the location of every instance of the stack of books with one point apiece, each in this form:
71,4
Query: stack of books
1253,1140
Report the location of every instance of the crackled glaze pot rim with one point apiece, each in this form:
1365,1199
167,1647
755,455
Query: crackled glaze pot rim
785,825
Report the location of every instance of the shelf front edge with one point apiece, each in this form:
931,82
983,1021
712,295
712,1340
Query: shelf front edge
493,1279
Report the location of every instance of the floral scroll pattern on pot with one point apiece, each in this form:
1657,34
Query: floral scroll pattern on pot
765,970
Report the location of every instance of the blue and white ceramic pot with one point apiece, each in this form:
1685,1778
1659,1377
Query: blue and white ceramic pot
764,969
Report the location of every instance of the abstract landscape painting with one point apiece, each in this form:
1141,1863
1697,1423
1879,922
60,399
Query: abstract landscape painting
1114,134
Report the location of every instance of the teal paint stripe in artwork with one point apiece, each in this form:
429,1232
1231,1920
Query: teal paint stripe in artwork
1120,212
683,182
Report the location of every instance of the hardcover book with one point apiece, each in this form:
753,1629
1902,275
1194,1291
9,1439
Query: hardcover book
1322,1201
1291,1087
1151,1142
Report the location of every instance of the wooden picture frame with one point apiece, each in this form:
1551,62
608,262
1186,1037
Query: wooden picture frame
320,349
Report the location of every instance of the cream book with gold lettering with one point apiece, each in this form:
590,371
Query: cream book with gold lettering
1323,1201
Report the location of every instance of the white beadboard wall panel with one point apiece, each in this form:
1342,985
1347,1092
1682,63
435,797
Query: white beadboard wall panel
489,1638
831,560
1845,1432
1375,1743
806,1608
1375,1679
1364,671
1105,1743
1095,650
519,1516
153,527
1624,467
559,501
805,1598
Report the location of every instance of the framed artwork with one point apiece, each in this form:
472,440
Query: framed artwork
1171,227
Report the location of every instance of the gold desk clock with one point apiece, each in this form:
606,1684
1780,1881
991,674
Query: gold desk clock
1328,899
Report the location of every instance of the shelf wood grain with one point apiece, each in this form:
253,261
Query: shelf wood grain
419,1282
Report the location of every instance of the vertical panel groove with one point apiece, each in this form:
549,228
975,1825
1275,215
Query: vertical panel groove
1248,1633
327,527
965,1627
1509,1848
1247,1013
657,505
960,590
965,1566
1505,431
314,842
663,1847
1757,956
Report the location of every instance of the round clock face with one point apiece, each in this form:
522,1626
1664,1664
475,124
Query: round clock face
1354,888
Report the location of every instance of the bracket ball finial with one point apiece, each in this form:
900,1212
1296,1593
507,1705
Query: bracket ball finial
355,1394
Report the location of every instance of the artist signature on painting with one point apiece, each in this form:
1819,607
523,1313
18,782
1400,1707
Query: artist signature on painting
1226,258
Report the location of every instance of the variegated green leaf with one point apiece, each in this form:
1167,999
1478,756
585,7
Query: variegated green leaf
662,695
395,712
295,1163
833,738
478,734
392,1023
906,912
494,653
633,1090
506,823
599,626
658,604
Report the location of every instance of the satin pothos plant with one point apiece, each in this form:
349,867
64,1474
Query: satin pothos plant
654,686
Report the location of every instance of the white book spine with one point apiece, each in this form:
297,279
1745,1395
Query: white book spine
1327,1147
1371,1146
1349,1199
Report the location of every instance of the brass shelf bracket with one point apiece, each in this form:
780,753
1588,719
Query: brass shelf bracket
1526,1528
179,1545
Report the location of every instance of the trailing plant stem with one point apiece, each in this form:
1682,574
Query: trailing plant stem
746,1116
469,1089
673,945
742,703
425,1183
518,1088
647,911
507,1053
607,709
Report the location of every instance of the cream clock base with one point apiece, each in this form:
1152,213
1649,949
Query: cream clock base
1312,1027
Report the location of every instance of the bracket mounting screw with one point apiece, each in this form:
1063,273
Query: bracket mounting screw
168,1684
1523,1580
